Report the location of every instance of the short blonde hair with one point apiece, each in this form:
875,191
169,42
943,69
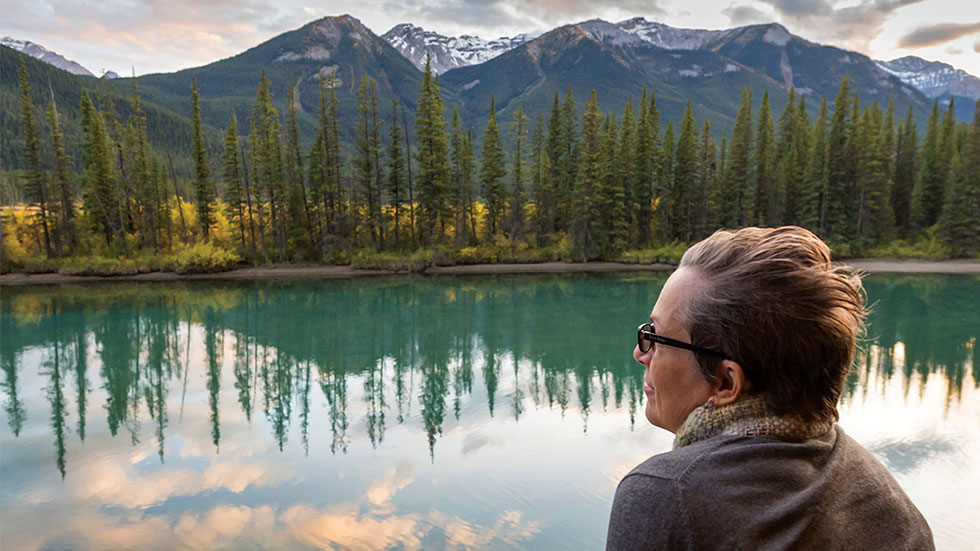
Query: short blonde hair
774,303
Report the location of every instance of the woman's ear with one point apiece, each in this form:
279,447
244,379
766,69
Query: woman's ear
732,382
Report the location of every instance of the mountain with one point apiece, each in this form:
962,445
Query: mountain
340,46
40,52
447,52
169,132
708,67
933,78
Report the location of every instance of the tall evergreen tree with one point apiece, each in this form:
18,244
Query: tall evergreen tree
100,174
664,190
707,174
767,205
396,172
682,201
905,169
231,176
517,218
927,194
303,233
583,222
959,224
432,157
567,164
645,165
203,186
833,219
62,177
36,179
367,144
737,193
492,176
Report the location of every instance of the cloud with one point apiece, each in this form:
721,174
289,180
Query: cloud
933,35
953,50
976,46
851,27
745,15
490,18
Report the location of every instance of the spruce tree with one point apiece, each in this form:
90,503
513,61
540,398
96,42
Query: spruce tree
767,206
959,223
664,191
303,232
736,195
366,146
625,171
927,194
518,131
813,197
905,170
681,203
100,174
396,171
542,195
707,175
432,157
231,176
833,219
492,176
567,164
36,179
62,176
645,165
588,174
203,187
610,213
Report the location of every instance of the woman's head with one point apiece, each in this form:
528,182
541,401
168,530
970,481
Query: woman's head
772,301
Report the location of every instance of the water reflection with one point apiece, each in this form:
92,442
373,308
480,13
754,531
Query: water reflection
564,341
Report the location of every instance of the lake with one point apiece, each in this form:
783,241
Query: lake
482,412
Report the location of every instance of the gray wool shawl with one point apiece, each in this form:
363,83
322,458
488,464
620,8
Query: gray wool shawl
727,487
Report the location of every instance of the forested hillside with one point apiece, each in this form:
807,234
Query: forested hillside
571,183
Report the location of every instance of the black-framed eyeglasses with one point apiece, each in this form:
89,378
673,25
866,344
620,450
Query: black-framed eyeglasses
645,339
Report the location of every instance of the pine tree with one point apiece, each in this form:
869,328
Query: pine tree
100,175
959,224
645,165
813,197
432,157
396,171
367,146
62,176
610,225
707,175
737,194
36,179
461,180
567,164
664,191
203,186
767,206
833,220
231,176
905,169
492,176
517,218
685,189
625,171
927,194
583,219
303,233
541,194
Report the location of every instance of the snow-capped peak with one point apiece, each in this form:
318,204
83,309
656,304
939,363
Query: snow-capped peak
448,52
932,78
40,52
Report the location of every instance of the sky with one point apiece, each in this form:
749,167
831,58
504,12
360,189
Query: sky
151,36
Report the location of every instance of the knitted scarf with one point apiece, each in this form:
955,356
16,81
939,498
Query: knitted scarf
749,416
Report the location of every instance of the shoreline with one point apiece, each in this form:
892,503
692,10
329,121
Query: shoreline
867,265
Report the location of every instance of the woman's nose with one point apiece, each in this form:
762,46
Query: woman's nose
638,356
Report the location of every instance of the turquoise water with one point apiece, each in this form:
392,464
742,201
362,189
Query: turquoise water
405,413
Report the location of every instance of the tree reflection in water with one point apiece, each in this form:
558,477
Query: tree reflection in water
565,340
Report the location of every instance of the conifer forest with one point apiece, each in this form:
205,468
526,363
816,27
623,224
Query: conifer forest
575,183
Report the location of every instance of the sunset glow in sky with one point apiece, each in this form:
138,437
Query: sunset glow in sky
151,36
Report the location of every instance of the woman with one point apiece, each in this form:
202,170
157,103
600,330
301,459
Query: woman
746,353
